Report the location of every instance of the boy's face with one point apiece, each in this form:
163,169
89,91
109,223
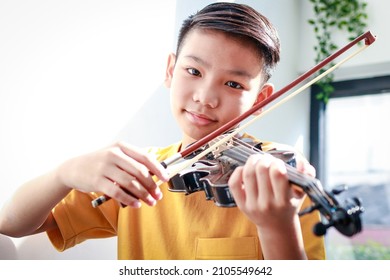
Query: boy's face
214,79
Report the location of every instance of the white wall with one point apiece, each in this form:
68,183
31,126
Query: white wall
73,74
76,75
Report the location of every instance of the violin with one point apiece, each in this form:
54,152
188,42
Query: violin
212,172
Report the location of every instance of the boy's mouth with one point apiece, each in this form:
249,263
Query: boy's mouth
199,119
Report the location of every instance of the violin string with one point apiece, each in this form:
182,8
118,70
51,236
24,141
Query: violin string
217,143
247,150
242,150
311,184
292,172
295,176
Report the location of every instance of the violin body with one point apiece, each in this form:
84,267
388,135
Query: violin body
212,172
208,176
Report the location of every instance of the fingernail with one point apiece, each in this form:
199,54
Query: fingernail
166,175
281,166
151,201
159,194
255,158
136,204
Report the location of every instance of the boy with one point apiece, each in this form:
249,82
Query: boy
225,55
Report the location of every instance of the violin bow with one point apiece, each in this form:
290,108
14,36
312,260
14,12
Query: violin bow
368,38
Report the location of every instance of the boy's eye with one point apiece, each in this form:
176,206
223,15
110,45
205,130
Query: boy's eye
193,71
234,85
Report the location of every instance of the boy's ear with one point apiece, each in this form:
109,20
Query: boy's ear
266,91
169,70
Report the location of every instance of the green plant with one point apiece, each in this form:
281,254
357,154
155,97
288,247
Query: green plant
347,16
370,250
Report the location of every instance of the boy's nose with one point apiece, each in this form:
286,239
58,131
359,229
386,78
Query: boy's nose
206,95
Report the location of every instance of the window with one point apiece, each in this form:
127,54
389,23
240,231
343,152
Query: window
350,144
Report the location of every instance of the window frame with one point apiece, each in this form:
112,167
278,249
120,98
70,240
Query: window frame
347,88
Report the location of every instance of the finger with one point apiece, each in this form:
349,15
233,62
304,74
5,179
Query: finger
309,169
139,171
236,187
142,180
250,178
131,185
134,188
146,159
114,190
264,184
279,180
304,166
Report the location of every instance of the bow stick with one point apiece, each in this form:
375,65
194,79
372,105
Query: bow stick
369,39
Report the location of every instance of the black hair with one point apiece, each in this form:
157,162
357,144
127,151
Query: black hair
241,21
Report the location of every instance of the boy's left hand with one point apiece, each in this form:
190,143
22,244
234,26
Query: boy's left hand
263,193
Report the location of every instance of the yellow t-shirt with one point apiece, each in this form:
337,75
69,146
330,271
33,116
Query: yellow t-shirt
178,227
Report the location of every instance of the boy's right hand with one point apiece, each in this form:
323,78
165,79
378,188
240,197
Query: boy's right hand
120,171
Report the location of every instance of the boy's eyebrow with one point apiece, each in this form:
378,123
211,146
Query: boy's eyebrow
235,72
